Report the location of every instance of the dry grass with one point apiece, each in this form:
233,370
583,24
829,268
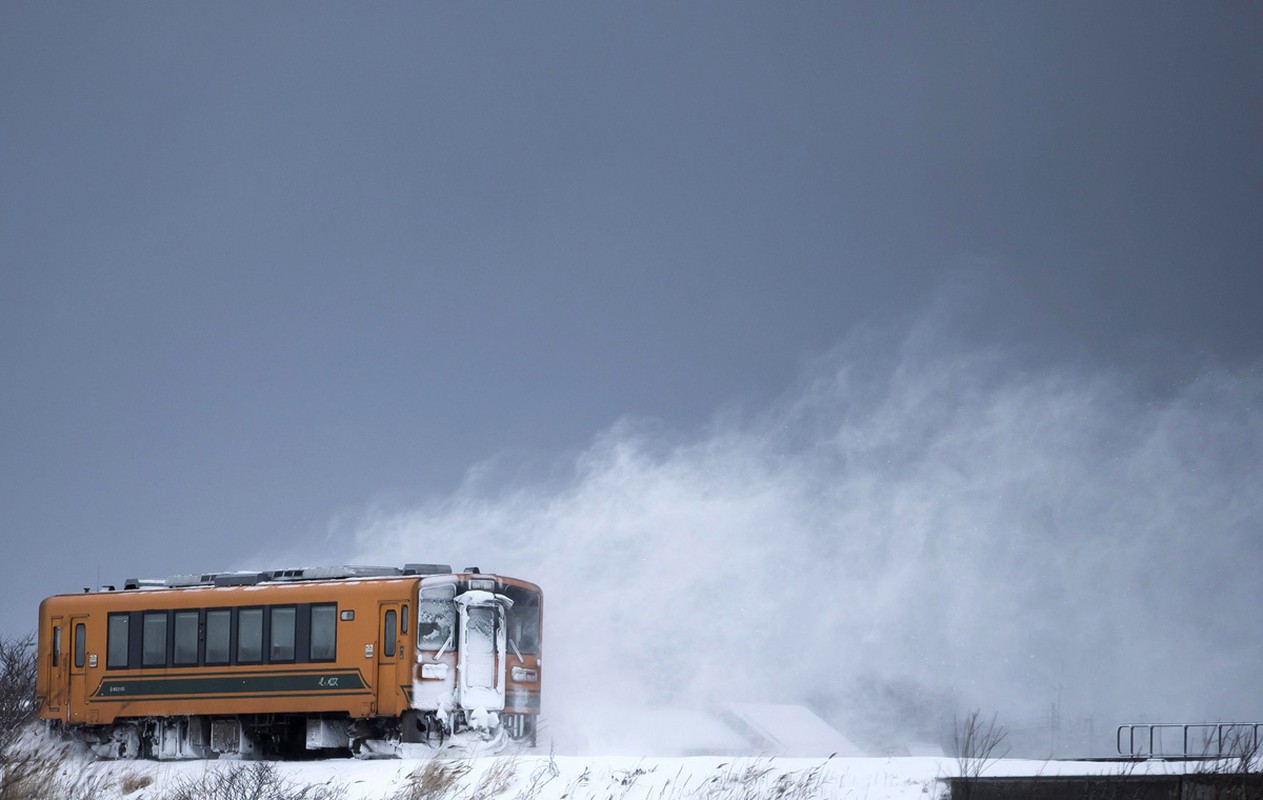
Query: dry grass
738,780
432,781
755,780
30,777
131,784
65,777
542,775
495,781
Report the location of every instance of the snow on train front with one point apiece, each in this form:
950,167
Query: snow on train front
479,643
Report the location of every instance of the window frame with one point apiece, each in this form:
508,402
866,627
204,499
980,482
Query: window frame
442,595
205,637
81,645
145,616
311,634
293,639
196,614
525,602
263,635
110,641
390,642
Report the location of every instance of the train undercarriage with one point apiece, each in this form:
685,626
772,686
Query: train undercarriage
291,736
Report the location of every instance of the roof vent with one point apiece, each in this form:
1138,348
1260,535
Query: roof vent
348,571
144,583
238,578
196,579
427,569
285,575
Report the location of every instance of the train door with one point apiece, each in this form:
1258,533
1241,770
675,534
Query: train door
480,660
389,649
57,666
78,657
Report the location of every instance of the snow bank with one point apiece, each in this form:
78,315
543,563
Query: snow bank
540,777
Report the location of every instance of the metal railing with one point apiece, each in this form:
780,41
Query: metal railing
1189,740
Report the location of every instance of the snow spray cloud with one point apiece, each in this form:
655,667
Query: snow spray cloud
908,510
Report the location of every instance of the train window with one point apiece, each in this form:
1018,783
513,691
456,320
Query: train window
324,629
523,620
218,628
56,645
436,617
80,644
403,620
388,646
185,654
249,635
153,638
283,619
116,647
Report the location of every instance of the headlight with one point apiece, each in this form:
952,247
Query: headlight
433,672
522,675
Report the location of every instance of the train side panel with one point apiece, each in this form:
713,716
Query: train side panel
148,653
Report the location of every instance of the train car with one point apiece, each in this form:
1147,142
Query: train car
273,663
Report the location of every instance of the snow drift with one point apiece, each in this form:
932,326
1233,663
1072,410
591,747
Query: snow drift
910,513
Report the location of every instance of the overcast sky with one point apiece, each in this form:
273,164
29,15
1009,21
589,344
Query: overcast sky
263,266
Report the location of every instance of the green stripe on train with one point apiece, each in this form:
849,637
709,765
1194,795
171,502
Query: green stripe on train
529,702
256,683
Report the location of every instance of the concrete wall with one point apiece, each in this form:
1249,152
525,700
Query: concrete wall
1111,787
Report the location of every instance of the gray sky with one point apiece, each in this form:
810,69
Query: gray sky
262,265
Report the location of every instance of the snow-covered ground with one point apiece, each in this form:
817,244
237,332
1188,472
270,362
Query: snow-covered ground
662,756
541,777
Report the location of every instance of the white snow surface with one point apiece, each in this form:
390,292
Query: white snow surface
543,777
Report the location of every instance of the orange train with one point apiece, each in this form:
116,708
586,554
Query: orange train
273,663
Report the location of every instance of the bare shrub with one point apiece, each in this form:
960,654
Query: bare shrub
1242,751
435,779
258,781
1235,750
976,743
1232,765
17,688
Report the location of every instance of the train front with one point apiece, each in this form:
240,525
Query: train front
478,657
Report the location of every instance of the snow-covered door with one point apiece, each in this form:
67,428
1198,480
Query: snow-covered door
481,658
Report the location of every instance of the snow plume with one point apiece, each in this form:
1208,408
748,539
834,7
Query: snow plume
943,517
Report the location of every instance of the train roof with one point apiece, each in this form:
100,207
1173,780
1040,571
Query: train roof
289,575
295,577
